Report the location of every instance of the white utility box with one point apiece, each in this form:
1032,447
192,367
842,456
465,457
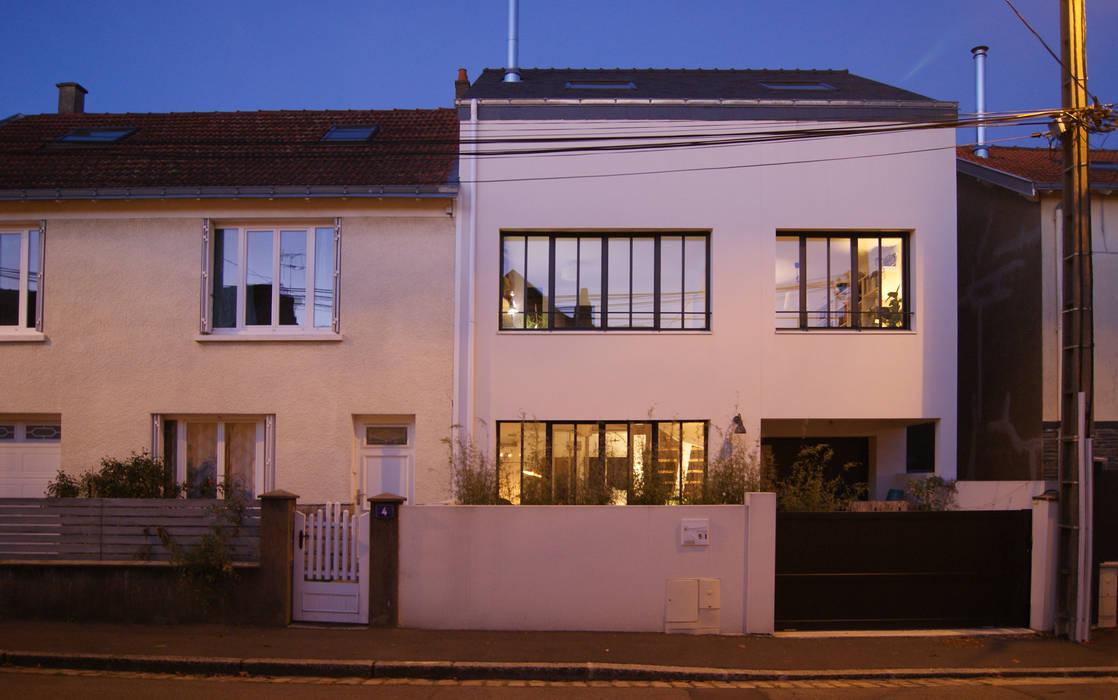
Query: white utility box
695,532
1108,594
693,606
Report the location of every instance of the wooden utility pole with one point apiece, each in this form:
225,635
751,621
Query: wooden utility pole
1073,588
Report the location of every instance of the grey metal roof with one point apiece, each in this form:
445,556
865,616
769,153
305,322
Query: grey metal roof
695,94
685,84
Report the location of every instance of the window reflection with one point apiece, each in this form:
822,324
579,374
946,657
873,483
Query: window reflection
258,279
815,281
293,278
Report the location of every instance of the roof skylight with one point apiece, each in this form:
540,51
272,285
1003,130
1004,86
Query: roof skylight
601,85
798,85
341,133
96,135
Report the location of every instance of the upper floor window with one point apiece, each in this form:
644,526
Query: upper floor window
842,280
21,268
602,281
271,278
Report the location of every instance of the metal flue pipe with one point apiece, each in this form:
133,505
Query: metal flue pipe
979,53
512,70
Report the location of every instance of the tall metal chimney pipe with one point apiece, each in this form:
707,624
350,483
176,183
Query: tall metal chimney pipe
512,71
979,53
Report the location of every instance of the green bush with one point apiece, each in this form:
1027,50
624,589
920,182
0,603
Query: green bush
805,488
932,493
734,473
207,567
64,486
138,476
473,477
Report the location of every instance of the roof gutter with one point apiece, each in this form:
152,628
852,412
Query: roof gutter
1013,183
445,191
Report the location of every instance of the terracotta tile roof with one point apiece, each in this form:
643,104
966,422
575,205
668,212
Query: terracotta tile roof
234,149
1041,166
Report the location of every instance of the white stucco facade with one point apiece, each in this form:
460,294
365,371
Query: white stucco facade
820,383
121,341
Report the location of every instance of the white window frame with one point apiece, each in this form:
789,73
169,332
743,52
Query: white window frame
273,330
21,331
263,472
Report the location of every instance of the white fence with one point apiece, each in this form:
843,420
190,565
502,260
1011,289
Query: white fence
600,568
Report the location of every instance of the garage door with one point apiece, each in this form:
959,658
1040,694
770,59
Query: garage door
30,454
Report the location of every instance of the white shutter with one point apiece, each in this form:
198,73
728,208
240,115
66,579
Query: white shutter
205,321
335,324
156,434
269,456
39,282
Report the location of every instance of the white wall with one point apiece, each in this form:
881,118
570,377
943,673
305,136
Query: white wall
998,495
121,316
578,568
742,364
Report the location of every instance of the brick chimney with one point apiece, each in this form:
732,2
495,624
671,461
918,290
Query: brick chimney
462,84
71,98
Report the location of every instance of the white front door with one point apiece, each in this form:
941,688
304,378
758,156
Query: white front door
386,452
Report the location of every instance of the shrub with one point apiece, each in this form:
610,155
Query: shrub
805,487
736,472
473,477
138,476
932,493
207,567
63,486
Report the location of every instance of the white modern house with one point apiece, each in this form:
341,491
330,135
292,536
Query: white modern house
263,296
649,261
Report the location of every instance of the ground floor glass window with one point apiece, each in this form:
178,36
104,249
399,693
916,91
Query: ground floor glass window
601,462
211,453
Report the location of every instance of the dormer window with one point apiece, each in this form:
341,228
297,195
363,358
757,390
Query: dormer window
110,134
806,85
350,133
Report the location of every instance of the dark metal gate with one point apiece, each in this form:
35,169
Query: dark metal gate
894,570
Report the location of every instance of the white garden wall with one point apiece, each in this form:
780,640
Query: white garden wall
599,568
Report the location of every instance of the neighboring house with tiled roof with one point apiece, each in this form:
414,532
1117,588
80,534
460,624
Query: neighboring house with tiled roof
264,296
1009,270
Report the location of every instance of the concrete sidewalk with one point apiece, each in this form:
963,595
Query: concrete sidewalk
365,652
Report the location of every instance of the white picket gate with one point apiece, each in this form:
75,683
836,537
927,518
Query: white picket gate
331,566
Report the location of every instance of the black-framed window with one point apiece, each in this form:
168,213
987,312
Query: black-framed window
605,281
601,462
843,280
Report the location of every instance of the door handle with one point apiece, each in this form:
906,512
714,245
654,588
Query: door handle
302,536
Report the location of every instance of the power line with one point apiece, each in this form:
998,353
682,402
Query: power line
1050,51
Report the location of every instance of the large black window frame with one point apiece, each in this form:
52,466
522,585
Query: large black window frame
604,281
649,462
813,289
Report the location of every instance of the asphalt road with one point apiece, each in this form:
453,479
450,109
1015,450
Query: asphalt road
94,685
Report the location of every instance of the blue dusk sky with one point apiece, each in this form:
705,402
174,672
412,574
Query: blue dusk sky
206,55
